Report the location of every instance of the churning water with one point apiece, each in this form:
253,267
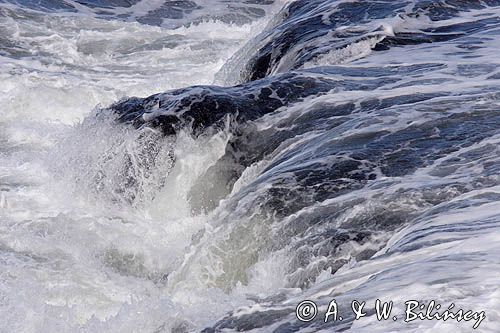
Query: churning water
273,152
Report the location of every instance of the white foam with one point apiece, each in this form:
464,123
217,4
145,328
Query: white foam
76,252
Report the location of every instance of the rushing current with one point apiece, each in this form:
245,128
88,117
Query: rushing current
207,165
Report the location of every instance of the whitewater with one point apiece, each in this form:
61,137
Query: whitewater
208,165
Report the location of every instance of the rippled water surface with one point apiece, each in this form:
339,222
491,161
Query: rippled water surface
180,166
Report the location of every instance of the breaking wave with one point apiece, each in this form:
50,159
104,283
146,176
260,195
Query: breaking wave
275,151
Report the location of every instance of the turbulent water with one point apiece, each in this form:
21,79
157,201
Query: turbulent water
207,165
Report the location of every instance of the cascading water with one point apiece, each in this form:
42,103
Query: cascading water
348,150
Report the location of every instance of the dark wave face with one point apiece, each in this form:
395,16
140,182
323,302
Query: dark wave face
350,150
315,33
344,107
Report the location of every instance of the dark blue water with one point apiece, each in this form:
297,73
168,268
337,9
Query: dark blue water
348,150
